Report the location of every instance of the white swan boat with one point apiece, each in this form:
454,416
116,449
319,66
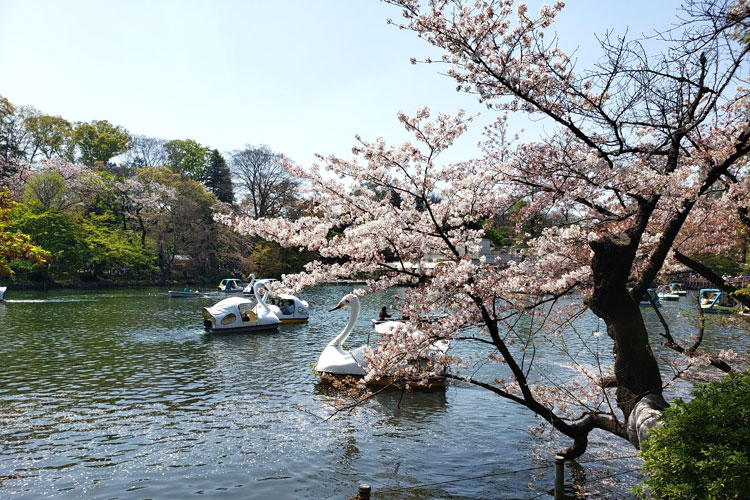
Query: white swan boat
239,315
248,290
2,292
288,308
336,361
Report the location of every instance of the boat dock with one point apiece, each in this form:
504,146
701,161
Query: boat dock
696,282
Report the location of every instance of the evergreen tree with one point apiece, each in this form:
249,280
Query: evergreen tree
219,178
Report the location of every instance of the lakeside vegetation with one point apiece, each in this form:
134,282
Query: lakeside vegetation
97,206
703,450
615,198
104,207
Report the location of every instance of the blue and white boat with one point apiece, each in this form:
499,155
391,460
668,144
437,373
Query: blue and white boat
231,285
664,292
712,300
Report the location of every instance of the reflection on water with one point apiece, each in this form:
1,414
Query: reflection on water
121,394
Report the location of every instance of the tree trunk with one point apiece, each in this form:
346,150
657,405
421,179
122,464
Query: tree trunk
142,227
644,417
636,370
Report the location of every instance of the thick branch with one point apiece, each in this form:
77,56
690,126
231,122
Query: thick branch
711,276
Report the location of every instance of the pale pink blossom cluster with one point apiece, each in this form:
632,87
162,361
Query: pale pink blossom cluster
142,194
145,200
79,187
82,184
16,182
407,353
400,216
741,8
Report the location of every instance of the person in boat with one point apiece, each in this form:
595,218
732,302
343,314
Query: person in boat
287,308
186,289
383,314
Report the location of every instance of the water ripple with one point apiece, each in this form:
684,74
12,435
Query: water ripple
121,394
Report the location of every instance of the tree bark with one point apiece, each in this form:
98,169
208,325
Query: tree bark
636,370
644,417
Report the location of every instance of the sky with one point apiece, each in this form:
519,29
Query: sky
300,76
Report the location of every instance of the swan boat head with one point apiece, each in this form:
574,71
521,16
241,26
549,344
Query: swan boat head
335,359
248,290
260,299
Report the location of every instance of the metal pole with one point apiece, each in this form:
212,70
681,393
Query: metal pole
364,492
559,477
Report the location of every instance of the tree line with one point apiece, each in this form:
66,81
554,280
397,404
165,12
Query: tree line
90,200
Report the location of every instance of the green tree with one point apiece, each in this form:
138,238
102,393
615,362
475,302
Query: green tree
219,178
58,233
100,141
79,241
15,245
187,157
52,136
110,246
47,191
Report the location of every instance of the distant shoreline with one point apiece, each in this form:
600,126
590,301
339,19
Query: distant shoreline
107,285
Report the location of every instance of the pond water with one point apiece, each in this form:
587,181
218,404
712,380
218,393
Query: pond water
121,394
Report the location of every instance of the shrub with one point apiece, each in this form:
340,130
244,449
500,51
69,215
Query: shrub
702,451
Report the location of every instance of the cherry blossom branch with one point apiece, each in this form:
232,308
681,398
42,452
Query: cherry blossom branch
741,148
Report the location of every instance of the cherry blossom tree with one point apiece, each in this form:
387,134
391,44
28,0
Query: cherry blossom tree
61,184
144,198
642,153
